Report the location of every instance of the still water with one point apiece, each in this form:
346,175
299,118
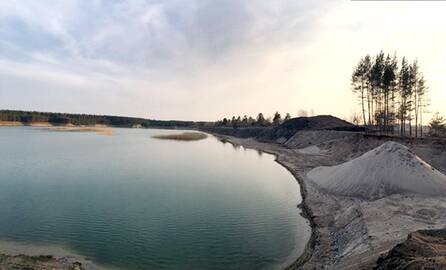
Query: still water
128,201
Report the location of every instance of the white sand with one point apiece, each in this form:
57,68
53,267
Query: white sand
389,169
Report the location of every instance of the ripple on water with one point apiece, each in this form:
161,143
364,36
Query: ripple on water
137,203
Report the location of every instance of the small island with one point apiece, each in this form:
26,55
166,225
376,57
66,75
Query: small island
185,136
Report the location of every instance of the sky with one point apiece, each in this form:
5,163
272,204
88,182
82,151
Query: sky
207,59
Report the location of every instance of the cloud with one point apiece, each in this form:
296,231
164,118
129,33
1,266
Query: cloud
203,60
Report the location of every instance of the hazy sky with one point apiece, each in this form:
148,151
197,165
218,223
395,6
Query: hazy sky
206,59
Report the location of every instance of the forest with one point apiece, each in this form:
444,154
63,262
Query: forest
26,117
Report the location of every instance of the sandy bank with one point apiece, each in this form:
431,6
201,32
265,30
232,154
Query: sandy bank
98,129
296,163
351,233
19,124
14,255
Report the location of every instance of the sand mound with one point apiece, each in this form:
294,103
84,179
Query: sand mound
388,169
321,122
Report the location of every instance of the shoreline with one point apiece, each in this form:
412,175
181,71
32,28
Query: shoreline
308,214
49,256
65,258
348,232
306,211
51,125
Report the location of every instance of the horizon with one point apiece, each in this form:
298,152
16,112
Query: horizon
210,121
197,61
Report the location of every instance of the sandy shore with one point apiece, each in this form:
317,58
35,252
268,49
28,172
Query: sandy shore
19,124
285,157
14,255
98,130
351,233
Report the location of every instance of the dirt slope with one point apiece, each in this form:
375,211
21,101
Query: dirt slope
424,249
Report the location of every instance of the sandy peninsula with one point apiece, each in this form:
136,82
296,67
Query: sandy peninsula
101,130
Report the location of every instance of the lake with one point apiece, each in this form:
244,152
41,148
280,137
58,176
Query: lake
129,201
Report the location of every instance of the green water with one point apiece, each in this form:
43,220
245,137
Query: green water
128,201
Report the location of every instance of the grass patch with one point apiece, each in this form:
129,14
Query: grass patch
185,136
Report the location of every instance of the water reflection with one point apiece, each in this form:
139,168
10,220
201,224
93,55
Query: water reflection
138,203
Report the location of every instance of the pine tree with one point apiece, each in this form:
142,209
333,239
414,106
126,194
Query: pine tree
245,120
261,119
376,74
359,82
251,121
367,63
404,88
388,93
394,93
412,100
388,82
277,119
422,101
437,126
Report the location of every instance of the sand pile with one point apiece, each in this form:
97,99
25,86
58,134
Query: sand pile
388,169
321,122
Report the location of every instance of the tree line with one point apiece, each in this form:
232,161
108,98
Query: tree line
247,121
28,117
392,94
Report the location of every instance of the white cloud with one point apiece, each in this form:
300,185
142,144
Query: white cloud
205,59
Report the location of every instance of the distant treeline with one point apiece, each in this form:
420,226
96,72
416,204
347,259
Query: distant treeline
88,119
247,121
